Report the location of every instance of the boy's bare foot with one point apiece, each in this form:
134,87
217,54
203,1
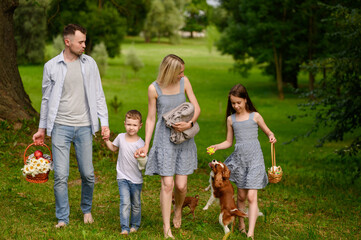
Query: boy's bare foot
60,224
124,232
133,230
88,218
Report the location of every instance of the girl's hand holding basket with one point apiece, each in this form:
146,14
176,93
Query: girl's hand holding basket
275,172
37,165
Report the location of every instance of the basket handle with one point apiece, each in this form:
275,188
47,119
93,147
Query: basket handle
273,155
42,144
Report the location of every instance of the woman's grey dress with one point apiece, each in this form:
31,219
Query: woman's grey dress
166,158
246,163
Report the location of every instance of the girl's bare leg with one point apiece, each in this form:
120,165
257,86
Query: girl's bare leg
241,204
179,196
166,203
253,211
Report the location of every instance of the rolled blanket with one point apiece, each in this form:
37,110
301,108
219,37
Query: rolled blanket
182,113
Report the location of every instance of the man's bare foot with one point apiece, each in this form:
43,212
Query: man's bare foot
60,224
124,232
133,230
88,218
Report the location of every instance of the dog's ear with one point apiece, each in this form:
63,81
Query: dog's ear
218,179
226,172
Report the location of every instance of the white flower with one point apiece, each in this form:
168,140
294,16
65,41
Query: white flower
42,161
35,166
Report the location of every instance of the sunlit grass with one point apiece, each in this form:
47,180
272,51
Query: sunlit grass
318,197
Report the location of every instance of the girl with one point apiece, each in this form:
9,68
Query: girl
165,158
246,162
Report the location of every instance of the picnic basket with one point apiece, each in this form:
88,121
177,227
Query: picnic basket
40,177
275,172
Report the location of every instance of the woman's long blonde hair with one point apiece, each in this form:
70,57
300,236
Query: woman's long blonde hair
169,70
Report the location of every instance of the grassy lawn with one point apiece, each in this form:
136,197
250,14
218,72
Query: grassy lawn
318,197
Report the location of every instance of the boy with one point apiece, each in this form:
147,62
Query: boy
129,177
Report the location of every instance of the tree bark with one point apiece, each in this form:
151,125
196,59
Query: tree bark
15,104
278,65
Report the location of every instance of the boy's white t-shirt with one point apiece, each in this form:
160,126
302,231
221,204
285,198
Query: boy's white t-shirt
127,164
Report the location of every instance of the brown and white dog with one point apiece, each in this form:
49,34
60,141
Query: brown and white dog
211,197
223,190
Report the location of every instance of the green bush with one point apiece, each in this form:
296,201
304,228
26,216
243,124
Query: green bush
100,55
133,60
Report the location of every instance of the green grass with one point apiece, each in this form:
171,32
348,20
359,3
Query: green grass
318,197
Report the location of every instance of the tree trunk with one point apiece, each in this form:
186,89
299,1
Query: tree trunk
311,31
15,104
278,65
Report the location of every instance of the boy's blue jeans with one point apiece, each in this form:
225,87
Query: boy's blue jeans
129,204
62,136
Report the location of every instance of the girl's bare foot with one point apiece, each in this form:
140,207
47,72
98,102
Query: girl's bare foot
242,227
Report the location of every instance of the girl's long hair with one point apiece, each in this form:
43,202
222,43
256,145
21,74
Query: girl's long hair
239,91
169,70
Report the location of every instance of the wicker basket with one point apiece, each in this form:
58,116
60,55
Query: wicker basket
275,173
41,177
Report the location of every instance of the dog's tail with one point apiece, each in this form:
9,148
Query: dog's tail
239,213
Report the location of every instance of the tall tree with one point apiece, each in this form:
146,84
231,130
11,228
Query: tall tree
100,18
135,12
282,34
196,12
14,102
165,18
154,21
337,103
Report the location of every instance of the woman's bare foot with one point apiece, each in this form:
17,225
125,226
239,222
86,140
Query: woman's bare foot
177,219
168,233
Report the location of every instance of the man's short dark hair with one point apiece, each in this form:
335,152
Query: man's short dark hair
71,28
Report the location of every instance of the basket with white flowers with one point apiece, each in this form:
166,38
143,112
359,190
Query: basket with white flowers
37,165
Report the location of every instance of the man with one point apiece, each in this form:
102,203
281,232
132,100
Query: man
73,100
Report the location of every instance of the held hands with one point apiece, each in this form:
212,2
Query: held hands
105,133
141,152
38,137
181,126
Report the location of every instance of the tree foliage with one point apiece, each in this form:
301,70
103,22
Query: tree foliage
133,60
281,34
337,103
100,55
165,18
101,19
196,16
135,12
30,31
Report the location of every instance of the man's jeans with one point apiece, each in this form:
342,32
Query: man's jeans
62,137
129,203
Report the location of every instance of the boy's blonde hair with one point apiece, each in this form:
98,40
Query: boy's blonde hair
169,70
134,114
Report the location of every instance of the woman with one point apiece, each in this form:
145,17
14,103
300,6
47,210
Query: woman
166,158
